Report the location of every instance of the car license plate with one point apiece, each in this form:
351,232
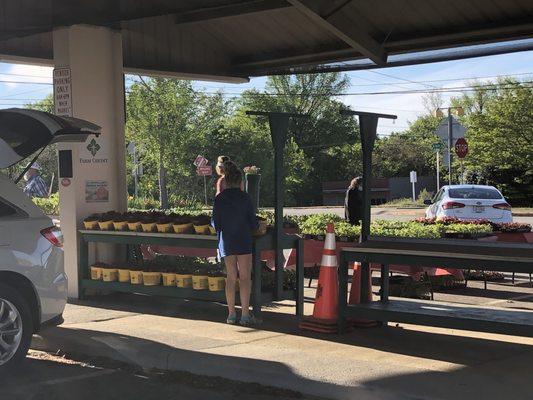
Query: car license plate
479,209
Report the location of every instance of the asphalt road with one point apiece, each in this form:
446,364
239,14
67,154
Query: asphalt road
48,377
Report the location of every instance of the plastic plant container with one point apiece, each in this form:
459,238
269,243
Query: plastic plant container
105,225
124,275
169,279
216,283
120,225
96,273
151,278
200,282
91,225
136,277
184,280
212,230
148,226
202,229
134,226
109,274
183,228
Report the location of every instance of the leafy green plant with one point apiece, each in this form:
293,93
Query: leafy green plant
50,205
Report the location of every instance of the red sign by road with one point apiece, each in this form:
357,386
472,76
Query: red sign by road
205,170
461,148
200,161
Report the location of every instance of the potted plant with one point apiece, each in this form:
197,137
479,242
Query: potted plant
216,278
182,224
91,222
109,273
262,227
199,276
201,224
136,275
120,223
151,275
148,223
105,221
183,275
124,274
133,220
169,275
96,271
164,224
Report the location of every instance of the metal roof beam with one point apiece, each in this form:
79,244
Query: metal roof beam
230,10
338,24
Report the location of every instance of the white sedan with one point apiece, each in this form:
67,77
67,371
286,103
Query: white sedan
470,202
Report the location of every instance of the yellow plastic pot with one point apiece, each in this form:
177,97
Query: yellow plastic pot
200,282
169,279
183,228
201,229
105,225
212,230
96,273
216,283
124,275
148,227
151,278
134,226
164,228
183,280
91,225
109,274
120,225
136,277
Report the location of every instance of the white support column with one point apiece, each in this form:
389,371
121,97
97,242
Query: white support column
94,56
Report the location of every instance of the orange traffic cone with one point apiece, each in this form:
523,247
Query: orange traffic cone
355,296
325,312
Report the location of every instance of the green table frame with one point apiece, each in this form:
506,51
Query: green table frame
261,243
507,257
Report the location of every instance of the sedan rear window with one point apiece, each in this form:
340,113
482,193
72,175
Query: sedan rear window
23,134
474,193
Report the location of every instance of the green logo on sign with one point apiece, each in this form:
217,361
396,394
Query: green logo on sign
93,147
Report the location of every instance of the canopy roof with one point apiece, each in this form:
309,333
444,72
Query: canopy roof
242,38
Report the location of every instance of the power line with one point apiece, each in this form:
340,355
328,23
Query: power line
26,82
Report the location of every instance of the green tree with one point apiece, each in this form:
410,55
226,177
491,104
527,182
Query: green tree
500,137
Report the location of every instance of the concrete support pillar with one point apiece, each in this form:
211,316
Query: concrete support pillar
94,56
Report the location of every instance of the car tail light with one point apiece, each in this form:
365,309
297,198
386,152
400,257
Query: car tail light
53,235
502,206
450,205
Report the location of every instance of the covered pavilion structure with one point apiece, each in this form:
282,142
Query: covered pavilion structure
93,43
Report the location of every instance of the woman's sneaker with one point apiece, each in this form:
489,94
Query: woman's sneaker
232,319
248,320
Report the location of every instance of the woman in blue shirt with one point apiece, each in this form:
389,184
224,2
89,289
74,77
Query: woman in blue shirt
234,220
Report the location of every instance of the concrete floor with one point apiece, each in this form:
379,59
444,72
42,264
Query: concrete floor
397,362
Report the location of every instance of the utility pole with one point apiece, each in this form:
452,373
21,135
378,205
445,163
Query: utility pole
439,113
438,170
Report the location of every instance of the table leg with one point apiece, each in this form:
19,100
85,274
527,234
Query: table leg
365,277
384,283
83,266
300,277
343,293
256,283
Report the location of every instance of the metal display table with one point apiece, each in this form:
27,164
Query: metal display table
508,257
261,243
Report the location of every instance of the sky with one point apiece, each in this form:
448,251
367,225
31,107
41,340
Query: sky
21,84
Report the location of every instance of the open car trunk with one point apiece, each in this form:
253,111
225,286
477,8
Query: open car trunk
24,132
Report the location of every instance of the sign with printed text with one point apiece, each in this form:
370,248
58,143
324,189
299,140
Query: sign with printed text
205,170
62,92
461,148
96,192
412,176
200,161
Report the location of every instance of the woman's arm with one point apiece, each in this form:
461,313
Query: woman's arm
215,219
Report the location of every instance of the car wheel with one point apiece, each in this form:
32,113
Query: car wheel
16,327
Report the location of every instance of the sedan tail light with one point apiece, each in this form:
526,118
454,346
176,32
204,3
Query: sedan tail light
502,206
449,205
53,235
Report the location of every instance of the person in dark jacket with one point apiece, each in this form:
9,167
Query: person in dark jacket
234,220
353,202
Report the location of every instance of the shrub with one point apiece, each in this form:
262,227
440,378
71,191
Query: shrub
50,205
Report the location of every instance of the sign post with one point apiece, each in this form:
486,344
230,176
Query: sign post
438,147
205,170
412,178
